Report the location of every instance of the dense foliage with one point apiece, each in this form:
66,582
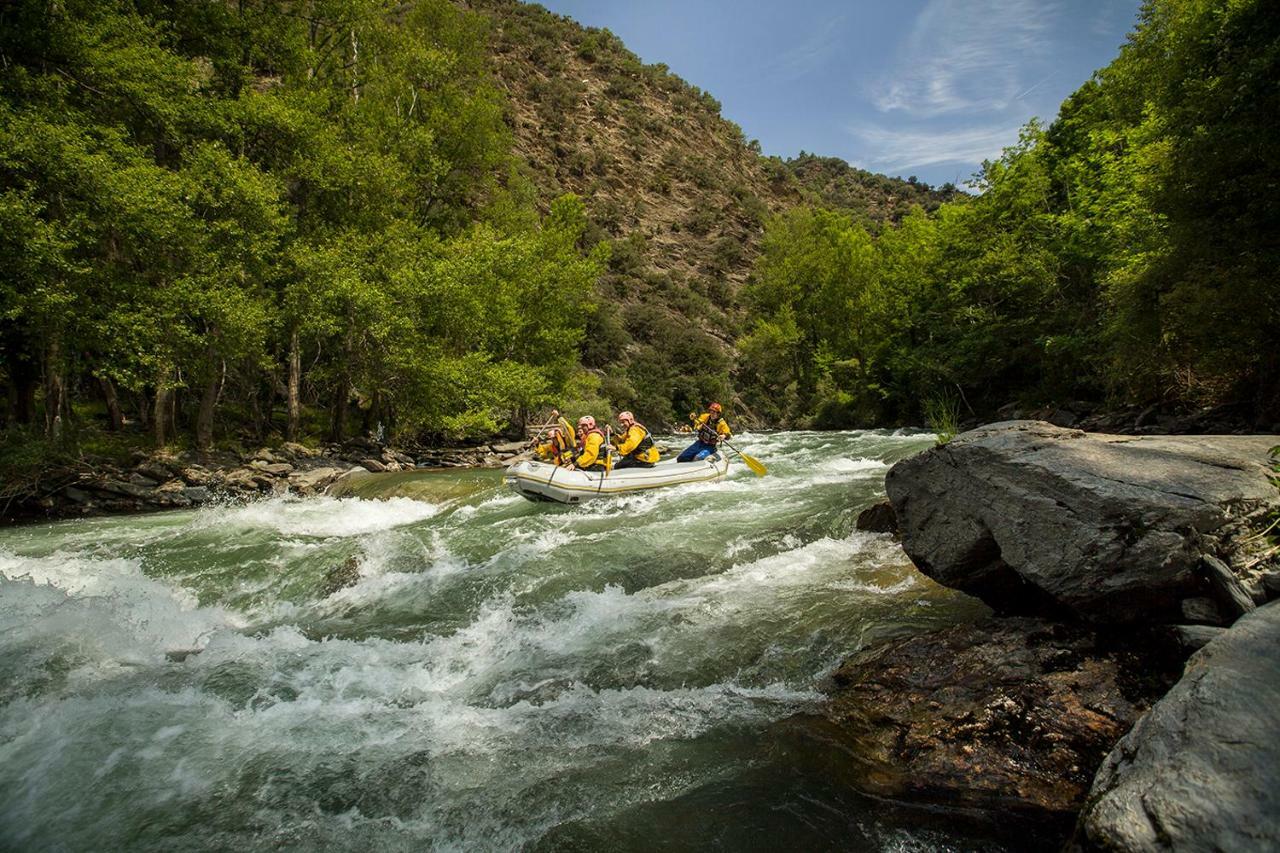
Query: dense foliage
1126,253
259,208
261,218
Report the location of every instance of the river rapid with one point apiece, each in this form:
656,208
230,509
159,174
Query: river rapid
503,674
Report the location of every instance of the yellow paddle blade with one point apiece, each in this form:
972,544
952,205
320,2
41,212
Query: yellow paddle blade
754,464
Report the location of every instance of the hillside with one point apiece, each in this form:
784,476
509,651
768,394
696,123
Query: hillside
871,199
680,191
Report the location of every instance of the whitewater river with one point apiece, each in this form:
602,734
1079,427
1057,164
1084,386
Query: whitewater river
503,675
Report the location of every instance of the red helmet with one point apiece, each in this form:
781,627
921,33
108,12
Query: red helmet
586,422
626,418
714,407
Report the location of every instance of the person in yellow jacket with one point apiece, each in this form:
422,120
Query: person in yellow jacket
635,445
558,448
712,429
592,452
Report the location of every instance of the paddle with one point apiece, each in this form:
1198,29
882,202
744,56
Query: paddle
756,466
753,463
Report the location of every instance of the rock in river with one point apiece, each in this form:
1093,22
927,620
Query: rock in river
1201,771
1008,716
1036,519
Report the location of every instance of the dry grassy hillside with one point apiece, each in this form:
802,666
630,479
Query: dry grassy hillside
677,188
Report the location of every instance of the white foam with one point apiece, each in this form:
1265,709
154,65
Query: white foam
321,516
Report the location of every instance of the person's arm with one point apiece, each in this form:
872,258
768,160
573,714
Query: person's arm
723,429
630,440
590,451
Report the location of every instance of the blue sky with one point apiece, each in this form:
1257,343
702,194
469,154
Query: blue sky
905,87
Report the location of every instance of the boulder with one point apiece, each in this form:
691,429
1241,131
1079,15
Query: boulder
509,447
343,575
314,480
373,465
1036,519
195,475
299,450
274,469
197,494
878,518
1201,771
1009,716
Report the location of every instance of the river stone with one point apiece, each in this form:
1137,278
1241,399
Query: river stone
313,480
878,518
1009,716
197,494
1201,771
373,465
1033,518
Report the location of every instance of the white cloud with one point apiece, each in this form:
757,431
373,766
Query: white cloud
895,151
967,56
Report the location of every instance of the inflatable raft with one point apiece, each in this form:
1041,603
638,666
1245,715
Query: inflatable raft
539,481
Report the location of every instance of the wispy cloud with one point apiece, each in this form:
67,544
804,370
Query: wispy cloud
967,56
811,54
894,151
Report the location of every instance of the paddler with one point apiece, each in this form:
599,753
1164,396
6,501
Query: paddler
635,444
712,429
591,452
558,448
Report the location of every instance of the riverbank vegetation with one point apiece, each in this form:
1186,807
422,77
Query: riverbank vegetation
284,216
1124,254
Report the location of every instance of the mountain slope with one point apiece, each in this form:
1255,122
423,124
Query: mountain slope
680,191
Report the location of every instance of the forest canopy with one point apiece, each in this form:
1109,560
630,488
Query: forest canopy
1126,253
292,219
209,206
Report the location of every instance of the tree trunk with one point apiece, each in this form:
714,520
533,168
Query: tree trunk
208,403
55,389
144,410
163,407
115,418
295,380
338,414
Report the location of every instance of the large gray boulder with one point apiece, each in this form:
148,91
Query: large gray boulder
1033,518
1201,771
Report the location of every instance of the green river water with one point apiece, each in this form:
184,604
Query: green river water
504,675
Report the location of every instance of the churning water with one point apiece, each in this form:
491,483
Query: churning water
502,675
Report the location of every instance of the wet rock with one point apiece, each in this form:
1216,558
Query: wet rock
1035,519
145,482
341,576
1201,771
878,518
1010,716
373,465
197,494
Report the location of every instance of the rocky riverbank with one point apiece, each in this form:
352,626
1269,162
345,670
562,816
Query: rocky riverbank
1107,560
162,480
